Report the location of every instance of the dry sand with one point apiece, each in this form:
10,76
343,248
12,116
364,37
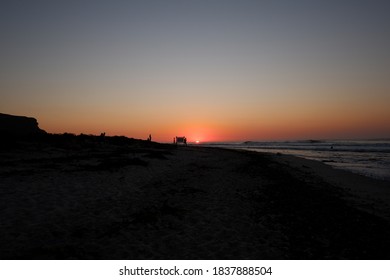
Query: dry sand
138,200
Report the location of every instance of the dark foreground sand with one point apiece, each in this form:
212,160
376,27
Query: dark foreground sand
119,199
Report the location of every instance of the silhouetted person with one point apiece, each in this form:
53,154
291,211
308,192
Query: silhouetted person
185,141
150,137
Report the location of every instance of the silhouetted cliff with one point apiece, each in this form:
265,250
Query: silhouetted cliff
19,126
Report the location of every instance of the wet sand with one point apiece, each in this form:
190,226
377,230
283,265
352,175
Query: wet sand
120,199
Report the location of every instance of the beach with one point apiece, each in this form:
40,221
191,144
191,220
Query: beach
117,198
365,157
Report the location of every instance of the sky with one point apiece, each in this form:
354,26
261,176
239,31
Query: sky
209,70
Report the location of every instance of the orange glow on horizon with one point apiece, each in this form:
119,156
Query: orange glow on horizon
294,129
287,120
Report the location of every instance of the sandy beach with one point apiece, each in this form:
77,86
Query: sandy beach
118,198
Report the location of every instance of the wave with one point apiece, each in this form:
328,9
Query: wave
370,158
318,145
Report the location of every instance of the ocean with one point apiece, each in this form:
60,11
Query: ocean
369,158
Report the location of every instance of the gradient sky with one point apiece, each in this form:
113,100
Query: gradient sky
210,70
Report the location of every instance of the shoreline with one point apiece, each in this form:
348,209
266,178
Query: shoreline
143,200
353,155
358,187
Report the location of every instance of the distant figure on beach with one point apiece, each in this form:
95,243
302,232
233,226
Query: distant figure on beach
150,138
178,140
